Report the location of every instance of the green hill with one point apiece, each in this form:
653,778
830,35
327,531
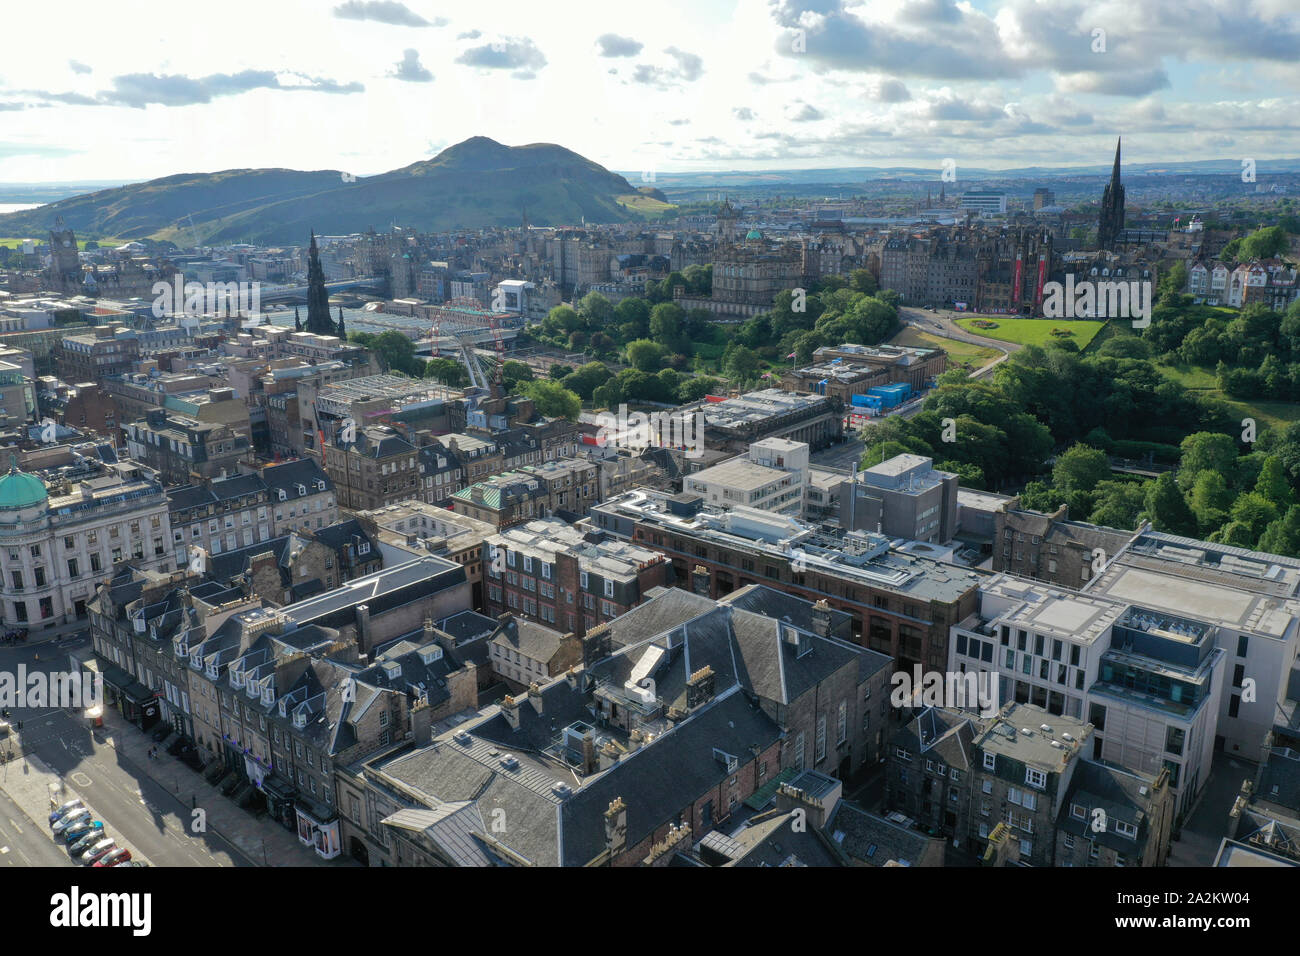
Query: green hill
470,185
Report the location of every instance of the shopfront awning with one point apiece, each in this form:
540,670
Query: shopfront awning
138,693
117,678
278,788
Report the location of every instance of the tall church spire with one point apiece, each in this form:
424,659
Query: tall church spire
318,299
1111,222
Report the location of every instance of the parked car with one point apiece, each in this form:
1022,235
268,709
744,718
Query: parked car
64,808
71,818
85,842
97,851
78,830
114,857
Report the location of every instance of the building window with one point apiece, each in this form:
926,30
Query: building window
821,737
842,723
1035,778
990,761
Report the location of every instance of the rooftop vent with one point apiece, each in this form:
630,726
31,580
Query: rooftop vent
1067,737
561,789
510,762
462,737
1026,731
1045,728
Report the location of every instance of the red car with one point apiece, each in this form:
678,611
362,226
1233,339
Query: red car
114,857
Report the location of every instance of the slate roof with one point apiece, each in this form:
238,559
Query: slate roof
943,734
286,477
528,638
547,828
870,840
1118,793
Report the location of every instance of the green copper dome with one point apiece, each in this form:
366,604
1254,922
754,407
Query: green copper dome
19,490
754,234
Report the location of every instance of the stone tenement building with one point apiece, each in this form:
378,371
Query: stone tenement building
989,271
57,544
180,448
377,468
534,491
95,354
548,572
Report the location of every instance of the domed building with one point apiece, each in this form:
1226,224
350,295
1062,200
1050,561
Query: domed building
57,542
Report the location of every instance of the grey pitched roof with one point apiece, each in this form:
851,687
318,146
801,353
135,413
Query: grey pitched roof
287,476
1119,794
870,840
528,638
947,735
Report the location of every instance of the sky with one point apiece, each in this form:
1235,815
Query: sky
140,89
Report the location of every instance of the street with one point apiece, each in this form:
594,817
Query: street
100,767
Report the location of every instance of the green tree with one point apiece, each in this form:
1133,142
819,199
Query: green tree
645,355
694,389
861,280
447,371
396,353
1272,484
596,309
666,325
1080,468
1206,451
1283,535
1166,508
1255,512
586,379
1118,504
741,363
512,373
1209,500
553,399
557,371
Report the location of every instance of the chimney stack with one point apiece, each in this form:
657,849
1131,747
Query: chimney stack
510,707
821,618
699,689
535,697
589,761
700,580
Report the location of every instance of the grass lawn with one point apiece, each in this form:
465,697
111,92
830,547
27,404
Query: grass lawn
1198,379
1032,331
964,354
645,205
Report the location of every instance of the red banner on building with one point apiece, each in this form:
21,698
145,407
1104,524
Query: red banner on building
1038,288
1015,282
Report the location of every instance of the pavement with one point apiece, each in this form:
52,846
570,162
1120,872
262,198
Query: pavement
261,840
147,805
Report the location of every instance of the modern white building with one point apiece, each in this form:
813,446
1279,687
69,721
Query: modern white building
774,477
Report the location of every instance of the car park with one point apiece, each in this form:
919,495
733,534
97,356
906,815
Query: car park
71,818
64,808
78,830
114,857
96,851
85,842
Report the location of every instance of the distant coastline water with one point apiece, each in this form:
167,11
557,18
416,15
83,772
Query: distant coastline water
8,207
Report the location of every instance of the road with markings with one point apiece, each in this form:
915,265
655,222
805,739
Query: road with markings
101,770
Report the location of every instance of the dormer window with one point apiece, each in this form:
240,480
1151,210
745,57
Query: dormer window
302,489
283,495
195,661
282,705
363,547
236,678
300,719
212,669
268,693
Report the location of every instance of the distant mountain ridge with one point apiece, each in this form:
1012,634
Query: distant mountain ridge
473,184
